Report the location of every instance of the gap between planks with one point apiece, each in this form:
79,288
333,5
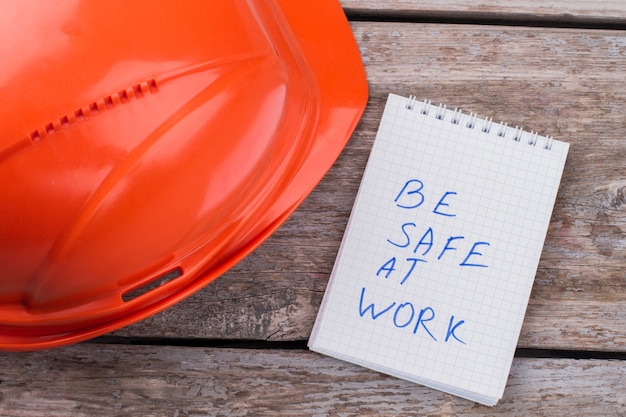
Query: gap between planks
486,18
302,345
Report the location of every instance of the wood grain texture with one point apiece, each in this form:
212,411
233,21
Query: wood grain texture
107,380
581,11
562,82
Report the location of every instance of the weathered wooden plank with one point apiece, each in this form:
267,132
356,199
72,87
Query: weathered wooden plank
613,11
106,380
568,83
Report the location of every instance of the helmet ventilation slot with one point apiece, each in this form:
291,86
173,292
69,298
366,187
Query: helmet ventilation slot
152,285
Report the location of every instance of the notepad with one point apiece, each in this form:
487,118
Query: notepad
434,272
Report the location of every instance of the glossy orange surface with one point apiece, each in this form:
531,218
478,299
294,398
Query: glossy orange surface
163,140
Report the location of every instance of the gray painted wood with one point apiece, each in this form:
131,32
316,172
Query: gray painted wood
107,380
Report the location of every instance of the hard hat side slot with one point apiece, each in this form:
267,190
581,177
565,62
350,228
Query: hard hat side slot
152,285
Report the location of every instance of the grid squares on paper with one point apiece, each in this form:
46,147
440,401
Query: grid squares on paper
503,193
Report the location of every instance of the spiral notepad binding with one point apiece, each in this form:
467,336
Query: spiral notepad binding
472,121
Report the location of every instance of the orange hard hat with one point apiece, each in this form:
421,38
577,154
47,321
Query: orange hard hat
145,148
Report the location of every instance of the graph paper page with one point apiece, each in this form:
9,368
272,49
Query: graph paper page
435,270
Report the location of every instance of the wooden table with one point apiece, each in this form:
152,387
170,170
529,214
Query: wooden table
239,346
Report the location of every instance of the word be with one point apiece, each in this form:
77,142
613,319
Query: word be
411,197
